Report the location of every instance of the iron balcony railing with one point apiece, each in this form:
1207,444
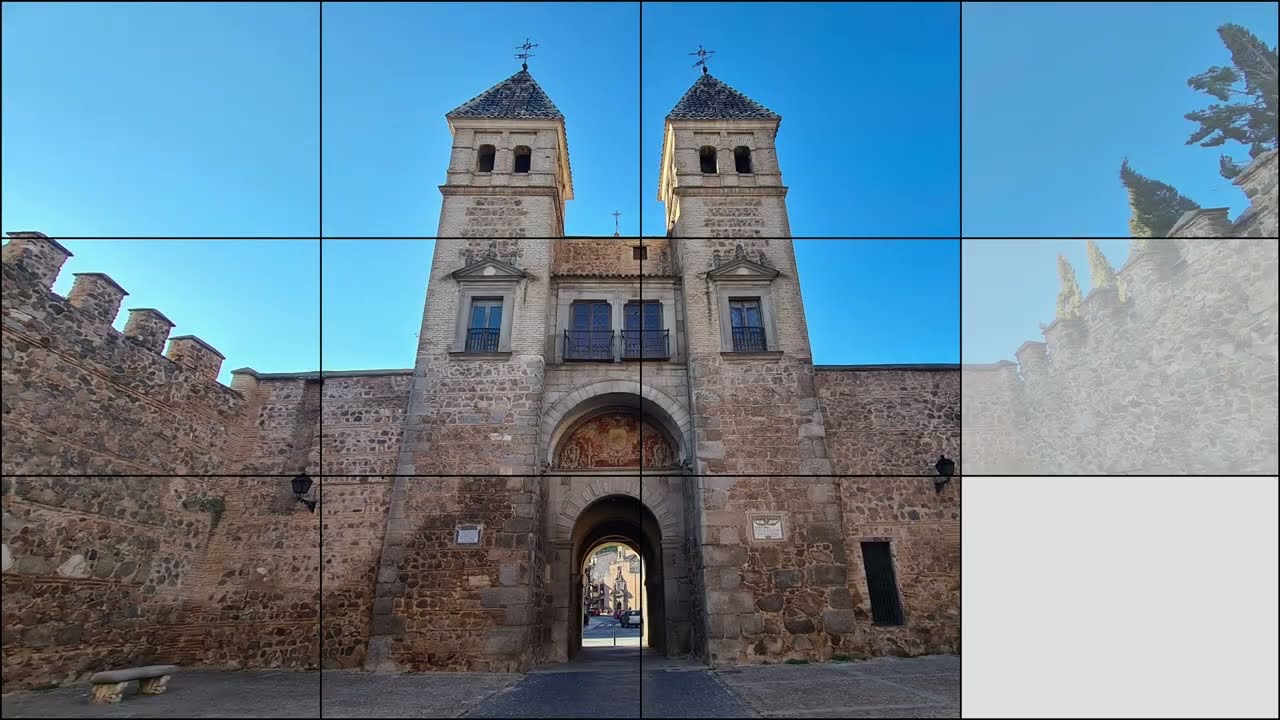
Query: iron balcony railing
588,345
646,344
749,339
482,340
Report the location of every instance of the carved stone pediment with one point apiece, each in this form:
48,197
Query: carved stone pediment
489,269
742,269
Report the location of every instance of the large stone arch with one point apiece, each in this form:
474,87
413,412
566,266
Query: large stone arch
660,511
655,405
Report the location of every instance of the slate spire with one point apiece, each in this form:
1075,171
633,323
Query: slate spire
711,99
518,97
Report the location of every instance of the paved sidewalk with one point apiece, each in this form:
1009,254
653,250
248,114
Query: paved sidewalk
599,682
924,687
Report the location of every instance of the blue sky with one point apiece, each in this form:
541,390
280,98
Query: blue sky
392,71
869,99
160,119
1011,286
1055,94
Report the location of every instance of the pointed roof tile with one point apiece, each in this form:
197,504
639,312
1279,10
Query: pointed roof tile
518,97
711,99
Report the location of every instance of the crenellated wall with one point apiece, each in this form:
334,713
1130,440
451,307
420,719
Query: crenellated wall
82,397
1173,370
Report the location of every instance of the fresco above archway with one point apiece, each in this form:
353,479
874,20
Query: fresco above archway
615,440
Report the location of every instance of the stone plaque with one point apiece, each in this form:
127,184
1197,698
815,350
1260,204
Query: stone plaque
468,535
766,527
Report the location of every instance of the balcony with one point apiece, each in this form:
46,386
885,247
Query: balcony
646,344
749,339
482,340
588,345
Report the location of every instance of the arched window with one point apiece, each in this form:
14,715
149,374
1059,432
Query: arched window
523,158
485,158
707,158
742,159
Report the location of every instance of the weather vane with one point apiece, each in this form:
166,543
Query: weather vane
702,57
616,215
524,54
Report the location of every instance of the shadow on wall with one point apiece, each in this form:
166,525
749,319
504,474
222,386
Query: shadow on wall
103,573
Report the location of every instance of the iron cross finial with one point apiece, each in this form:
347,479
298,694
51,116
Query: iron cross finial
702,57
524,53
616,215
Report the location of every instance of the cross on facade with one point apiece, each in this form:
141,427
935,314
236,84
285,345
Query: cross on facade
702,57
616,215
524,53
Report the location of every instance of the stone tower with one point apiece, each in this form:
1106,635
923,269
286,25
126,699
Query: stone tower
476,394
720,175
509,171
750,369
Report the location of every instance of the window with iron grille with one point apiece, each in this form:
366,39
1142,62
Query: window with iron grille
590,336
747,325
485,325
886,608
643,336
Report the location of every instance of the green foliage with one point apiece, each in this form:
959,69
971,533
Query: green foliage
1247,114
1154,206
1101,274
1069,295
797,662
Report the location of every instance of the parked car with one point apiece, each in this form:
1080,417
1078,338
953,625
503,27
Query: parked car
631,618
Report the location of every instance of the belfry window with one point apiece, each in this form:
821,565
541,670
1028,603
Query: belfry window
707,158
523,159
742,159
484,158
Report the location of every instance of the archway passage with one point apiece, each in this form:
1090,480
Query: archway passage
626,521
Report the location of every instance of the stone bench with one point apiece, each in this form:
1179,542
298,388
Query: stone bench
108,687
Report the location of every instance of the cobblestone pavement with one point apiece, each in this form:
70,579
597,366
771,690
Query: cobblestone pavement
599,682
924,687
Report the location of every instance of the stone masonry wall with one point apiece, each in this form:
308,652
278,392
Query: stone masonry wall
890,420
82,397
363,421
443,606
773,599
108,572
1179,377
753,412
474,415
611,256
354,513
253,595
922,526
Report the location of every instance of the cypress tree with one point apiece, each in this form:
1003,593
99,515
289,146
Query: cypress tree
1154,206
1069,295
1247,114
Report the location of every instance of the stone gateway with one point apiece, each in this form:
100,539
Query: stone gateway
567,394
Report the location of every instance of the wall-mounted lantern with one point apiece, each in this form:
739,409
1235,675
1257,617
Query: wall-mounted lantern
301,486
946,467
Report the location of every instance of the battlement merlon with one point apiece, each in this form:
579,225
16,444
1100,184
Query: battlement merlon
37,253
196,355
98,296
149,328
